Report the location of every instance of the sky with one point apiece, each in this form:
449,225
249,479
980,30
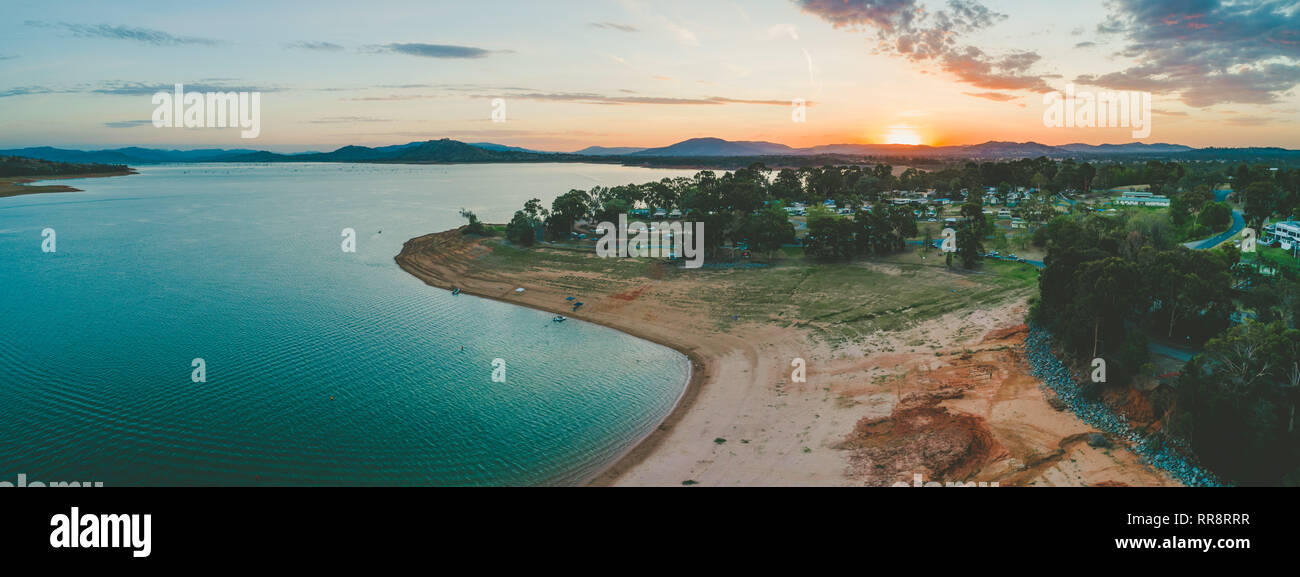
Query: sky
648,73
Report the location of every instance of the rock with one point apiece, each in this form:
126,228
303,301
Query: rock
1098,441
1054,400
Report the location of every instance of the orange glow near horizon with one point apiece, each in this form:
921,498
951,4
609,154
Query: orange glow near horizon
902,134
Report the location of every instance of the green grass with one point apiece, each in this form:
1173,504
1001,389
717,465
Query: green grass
1278,258
838,301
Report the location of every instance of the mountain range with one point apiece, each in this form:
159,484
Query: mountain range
453,151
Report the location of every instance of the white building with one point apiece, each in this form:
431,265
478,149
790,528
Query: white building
1288,231
1142,199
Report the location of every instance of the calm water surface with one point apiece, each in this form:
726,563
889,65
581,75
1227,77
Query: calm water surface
241,265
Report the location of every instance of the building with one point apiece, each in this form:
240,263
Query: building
1286,231
1142,199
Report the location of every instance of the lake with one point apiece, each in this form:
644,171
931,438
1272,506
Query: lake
323,367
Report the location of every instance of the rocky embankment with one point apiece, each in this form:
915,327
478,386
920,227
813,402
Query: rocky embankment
1156,449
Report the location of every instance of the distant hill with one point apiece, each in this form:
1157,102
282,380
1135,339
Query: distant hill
608,151
718,147
492,146
129,155
693,152
21,166
1132,147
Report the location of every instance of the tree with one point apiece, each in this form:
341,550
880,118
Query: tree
768,230
970,236
520,230
1237,402
566,209
1217,216
474,226
969,247
1261,200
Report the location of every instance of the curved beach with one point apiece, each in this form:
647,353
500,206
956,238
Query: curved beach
966,408
417,258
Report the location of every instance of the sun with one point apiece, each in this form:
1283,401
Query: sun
902,134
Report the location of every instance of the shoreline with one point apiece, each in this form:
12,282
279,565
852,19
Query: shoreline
700,367
950,397
11,186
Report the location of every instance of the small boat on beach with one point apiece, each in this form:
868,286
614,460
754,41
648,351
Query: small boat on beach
559,319
455,290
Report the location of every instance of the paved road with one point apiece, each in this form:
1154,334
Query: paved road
1238,223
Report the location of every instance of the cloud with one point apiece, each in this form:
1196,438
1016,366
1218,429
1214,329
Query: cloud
347,120
29,90
783,31
432,50
1206,51
592,98
390,98
128,123
614,26
1085,44
994,96
120,88
681,34
145,35
1251,121
320,46
908,29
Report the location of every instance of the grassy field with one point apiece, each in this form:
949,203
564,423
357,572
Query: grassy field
1279,258
841,301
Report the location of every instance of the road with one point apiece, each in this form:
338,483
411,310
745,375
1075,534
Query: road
1238,223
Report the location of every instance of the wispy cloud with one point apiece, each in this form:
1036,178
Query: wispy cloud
908,29
1252,121
994,96
347,120
614,26
121,88
145,35
681,34
32,90
433,50
128,123
319,46
591,98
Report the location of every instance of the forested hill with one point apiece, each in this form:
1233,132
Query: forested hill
21,166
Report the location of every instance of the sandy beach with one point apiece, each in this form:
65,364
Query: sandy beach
948,398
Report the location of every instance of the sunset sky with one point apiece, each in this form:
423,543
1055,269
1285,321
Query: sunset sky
647,73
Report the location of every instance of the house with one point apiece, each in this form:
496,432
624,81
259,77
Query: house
1142,199
1286,231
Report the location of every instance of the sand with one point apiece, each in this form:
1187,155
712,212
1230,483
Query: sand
963,408
18,185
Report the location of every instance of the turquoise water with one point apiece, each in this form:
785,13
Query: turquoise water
241,265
